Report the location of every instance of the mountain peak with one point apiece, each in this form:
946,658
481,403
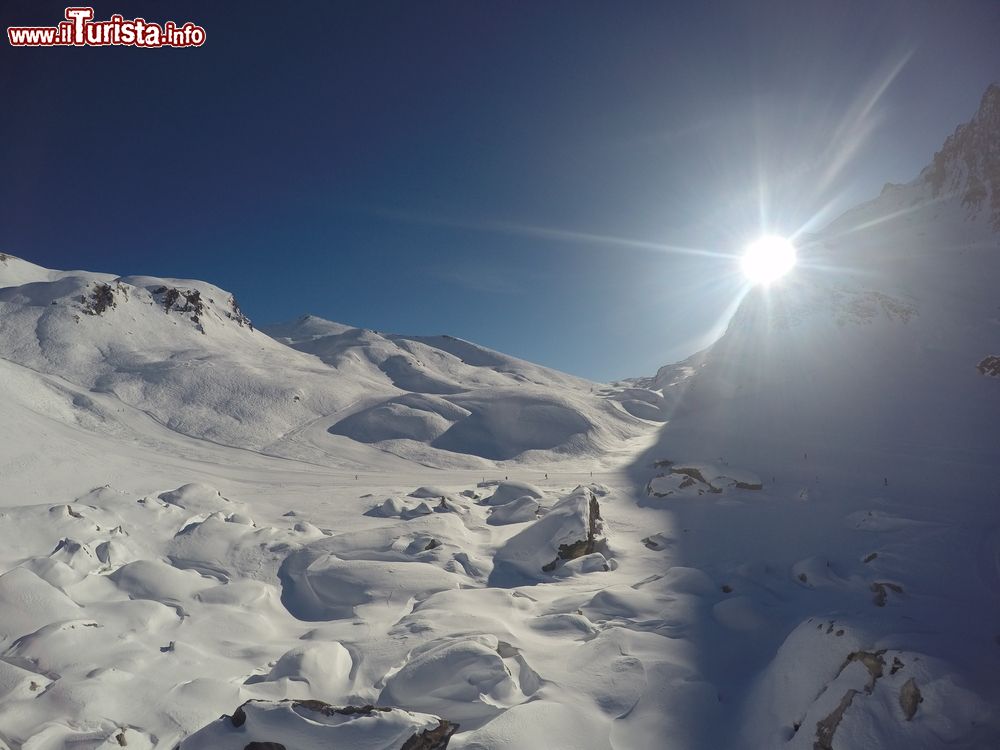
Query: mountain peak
968,165
990,105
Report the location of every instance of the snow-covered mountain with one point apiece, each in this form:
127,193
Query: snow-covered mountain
968,166
858,395
329,536
871,355
183,352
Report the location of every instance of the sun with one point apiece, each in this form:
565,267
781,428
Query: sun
768,259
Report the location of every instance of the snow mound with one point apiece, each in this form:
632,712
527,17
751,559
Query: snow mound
29,603
314,725
197,498
509,491
398,419
504,425
158,581
464,678
430,493
521,510
571,529
319,585
319,670
496,425
821,691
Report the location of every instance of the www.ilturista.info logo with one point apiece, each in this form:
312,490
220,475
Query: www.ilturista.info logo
81,30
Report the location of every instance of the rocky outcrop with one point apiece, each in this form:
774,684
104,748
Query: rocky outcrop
881,590
990,366
910,698
826,727
968,165
571,529
583,546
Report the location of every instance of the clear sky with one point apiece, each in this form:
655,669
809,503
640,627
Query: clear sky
526,175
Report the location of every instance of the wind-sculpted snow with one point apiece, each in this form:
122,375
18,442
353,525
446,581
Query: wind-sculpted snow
569,531
463,678
146,616
313,725
503,427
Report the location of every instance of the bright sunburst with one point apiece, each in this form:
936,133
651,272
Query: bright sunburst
768,259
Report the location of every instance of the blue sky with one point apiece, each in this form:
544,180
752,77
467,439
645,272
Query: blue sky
529,176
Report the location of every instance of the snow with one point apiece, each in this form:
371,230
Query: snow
306,726
791,539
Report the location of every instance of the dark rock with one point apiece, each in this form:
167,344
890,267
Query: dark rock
432,739
881,590
827,726
429,739
171,296
990,366
327,710
581,547
102,298
239,717
873,661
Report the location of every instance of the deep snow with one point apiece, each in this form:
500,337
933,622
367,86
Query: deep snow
790,540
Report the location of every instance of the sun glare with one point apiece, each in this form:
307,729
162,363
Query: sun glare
768,259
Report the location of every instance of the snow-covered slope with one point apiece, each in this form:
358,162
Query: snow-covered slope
178,350
452,395
856,392
868,355
182,352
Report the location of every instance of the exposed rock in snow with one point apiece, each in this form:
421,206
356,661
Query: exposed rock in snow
314,725
990,366
843,596
570,529
968,165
